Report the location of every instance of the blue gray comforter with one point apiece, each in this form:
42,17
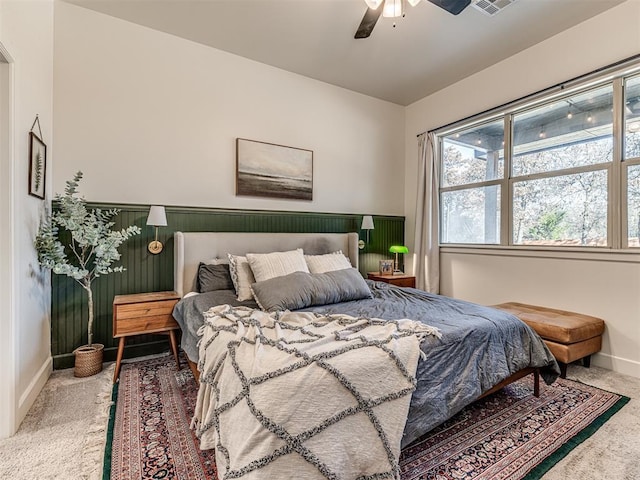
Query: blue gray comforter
480,346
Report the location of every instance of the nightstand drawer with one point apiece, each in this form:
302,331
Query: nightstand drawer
399,280
147,309
144,324
403,282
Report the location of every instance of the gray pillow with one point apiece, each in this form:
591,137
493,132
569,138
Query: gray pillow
213,277
300,289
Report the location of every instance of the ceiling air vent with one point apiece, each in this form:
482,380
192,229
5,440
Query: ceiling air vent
491,7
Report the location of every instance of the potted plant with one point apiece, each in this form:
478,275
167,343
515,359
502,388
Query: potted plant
90,250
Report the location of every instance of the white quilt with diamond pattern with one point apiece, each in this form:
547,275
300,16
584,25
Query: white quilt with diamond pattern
296,395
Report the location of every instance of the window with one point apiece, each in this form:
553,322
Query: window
572,132
561,210
471,215
472,167
474,155
556,170
562,151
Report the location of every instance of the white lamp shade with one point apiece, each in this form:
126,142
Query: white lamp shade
373,4
367,223
157,216
393,8
413,3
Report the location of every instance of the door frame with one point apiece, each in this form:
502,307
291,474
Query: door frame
7,245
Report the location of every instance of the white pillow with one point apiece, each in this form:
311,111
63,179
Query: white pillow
276,264
329,262
241,276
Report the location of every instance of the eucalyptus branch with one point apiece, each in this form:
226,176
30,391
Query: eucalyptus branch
90,274
75,252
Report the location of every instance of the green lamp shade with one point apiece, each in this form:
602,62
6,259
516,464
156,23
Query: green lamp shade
398,249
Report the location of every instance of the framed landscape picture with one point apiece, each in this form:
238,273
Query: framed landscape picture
269,170
37,165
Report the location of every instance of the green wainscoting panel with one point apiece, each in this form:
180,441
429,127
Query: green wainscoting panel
149,273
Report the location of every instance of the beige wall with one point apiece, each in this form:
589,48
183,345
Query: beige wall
607,288
152,118
26,36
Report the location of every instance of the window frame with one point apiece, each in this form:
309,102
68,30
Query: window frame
625,164
616,170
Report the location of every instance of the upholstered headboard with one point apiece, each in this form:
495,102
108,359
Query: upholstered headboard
191,248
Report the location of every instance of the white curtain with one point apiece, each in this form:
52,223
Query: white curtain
426,244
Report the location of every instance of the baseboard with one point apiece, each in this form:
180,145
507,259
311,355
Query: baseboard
33,390
67,360
617,364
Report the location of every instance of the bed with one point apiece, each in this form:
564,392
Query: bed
477,350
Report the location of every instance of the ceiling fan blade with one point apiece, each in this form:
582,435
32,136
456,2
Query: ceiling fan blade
452,6
369,20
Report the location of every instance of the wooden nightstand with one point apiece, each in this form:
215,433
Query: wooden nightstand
142,313
399,280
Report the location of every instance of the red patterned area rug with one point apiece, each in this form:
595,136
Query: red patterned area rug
508,435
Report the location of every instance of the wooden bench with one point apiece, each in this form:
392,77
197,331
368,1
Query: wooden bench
570,336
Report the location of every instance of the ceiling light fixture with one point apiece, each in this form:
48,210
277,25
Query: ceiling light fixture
396,8
391,8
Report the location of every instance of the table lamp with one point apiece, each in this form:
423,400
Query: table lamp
396,249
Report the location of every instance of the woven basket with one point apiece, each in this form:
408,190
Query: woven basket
88,360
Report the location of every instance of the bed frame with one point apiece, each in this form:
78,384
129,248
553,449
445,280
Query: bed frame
191,248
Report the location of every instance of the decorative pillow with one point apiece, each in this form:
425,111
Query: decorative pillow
327,263
213,277
300,289
276,264
241,276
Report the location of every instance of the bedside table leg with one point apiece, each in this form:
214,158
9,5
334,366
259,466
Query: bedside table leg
174,346
118,359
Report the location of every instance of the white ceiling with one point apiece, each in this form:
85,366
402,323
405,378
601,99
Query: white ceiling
427,50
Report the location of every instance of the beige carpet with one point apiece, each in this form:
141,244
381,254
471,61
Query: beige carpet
56,441
62,437
613,451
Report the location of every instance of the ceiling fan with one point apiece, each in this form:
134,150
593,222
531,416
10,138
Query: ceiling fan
395,8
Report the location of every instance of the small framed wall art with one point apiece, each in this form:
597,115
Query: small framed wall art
37,165
269,170
386,267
